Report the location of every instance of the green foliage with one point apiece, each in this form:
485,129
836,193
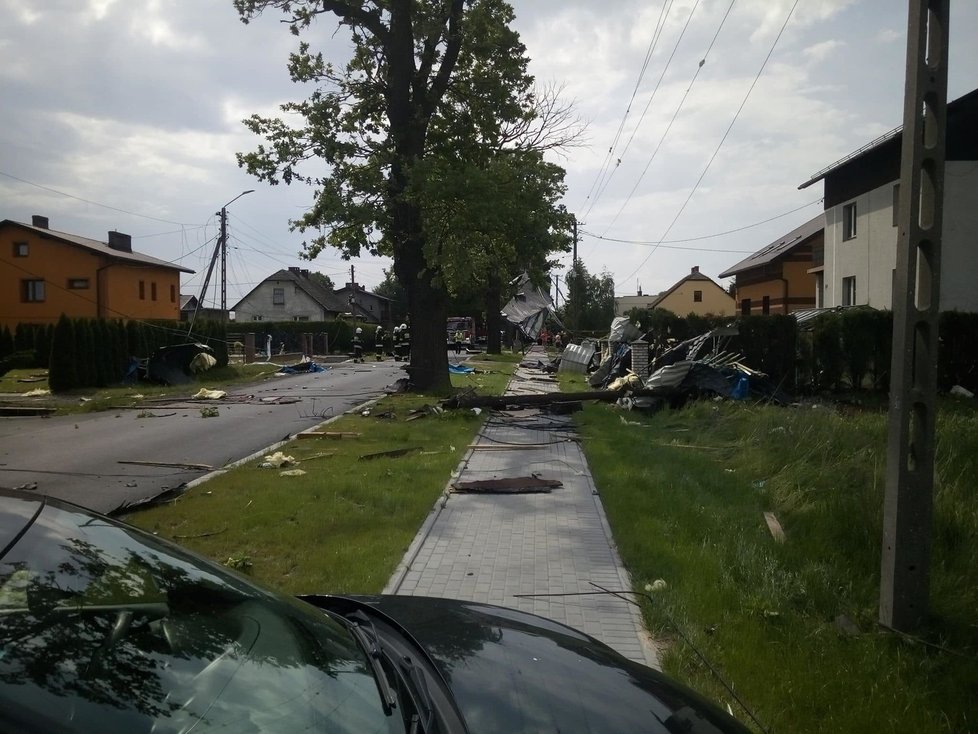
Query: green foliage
958,355
6,342
62,371
827,349
690,512
590,300
43,336
768,344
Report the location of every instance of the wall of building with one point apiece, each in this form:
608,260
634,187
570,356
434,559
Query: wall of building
870,256
58,263
624,304
298,305
715,300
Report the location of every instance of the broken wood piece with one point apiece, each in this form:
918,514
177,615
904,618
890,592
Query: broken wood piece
394,453
200,535
509,485
777,532
320,455
328,434
170,465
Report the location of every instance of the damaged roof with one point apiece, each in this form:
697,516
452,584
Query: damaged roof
779,247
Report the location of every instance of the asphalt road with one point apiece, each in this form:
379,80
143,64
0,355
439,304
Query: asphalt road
77,457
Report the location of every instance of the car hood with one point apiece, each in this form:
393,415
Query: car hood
513,671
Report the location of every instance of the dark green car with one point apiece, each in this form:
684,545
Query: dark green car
104,628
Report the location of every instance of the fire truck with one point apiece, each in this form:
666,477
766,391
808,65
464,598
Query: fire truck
465,324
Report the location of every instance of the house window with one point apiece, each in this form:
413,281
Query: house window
142,290
278,296
21,249
849,291
173,293
766,305
78,284
849,221
257,317
896,204
300,318
32,291
745,307
152,290
697,296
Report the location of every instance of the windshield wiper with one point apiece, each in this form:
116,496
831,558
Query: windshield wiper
423,694
371,647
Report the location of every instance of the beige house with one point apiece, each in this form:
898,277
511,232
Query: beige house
698,294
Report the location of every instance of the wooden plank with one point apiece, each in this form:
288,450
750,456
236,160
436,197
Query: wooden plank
171,465
328,434
777,532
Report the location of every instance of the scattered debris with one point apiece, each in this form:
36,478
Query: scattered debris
28,487
327,434
458,369
657,585
206,394
777,532
169,464
37,393
304,366
202,362
846,626
424,410
200,535
241,563
961,392
209,412
292,473
172,365
277,461
393,453
149,414
31,379
512,485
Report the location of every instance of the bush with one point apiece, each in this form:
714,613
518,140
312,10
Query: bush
62,371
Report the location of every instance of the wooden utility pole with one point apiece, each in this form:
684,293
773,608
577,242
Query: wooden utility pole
908,503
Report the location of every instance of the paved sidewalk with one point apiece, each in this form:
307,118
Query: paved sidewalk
491,547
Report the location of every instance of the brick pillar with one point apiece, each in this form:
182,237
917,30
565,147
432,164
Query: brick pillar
640,358
249,355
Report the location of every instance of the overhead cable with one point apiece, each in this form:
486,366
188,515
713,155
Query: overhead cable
719,145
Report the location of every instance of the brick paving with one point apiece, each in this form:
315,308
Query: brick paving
492,547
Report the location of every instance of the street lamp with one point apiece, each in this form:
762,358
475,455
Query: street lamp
224,252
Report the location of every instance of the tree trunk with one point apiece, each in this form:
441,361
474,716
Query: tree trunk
494,320
429,357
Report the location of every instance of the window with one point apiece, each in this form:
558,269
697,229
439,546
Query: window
849,221
142,290
300,318
745,307
896,204
257,317
697,296
849,291
32,291
766,305
152,290
78,284
21,249
173,293
278,296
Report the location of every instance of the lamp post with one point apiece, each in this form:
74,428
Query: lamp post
224,252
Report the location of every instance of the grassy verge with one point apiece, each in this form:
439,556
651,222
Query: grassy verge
345,524
793,625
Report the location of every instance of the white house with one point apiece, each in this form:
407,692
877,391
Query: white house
861,195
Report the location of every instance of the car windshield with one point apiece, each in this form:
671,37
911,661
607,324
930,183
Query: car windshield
102,628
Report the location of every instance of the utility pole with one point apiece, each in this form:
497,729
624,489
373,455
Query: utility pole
574,225
224,262
908,501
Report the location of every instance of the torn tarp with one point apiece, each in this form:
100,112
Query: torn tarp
301,368
172,365
458,369
528,309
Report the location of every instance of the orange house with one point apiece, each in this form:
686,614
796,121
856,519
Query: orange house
44,273
780,277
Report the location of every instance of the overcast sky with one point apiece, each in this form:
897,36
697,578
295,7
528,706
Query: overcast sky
126,115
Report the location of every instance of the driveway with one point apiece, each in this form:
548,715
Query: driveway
77,457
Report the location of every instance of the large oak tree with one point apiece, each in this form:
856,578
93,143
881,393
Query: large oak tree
430,84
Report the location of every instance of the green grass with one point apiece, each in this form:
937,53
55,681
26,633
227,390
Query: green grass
344,525
684,492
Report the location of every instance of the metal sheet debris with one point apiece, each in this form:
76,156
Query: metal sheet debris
509,485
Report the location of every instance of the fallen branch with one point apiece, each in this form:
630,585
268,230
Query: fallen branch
170,465
394,453
200,535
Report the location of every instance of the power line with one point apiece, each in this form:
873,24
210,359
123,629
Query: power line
720,144
651,98
705,236
675,114
653,42
95,203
